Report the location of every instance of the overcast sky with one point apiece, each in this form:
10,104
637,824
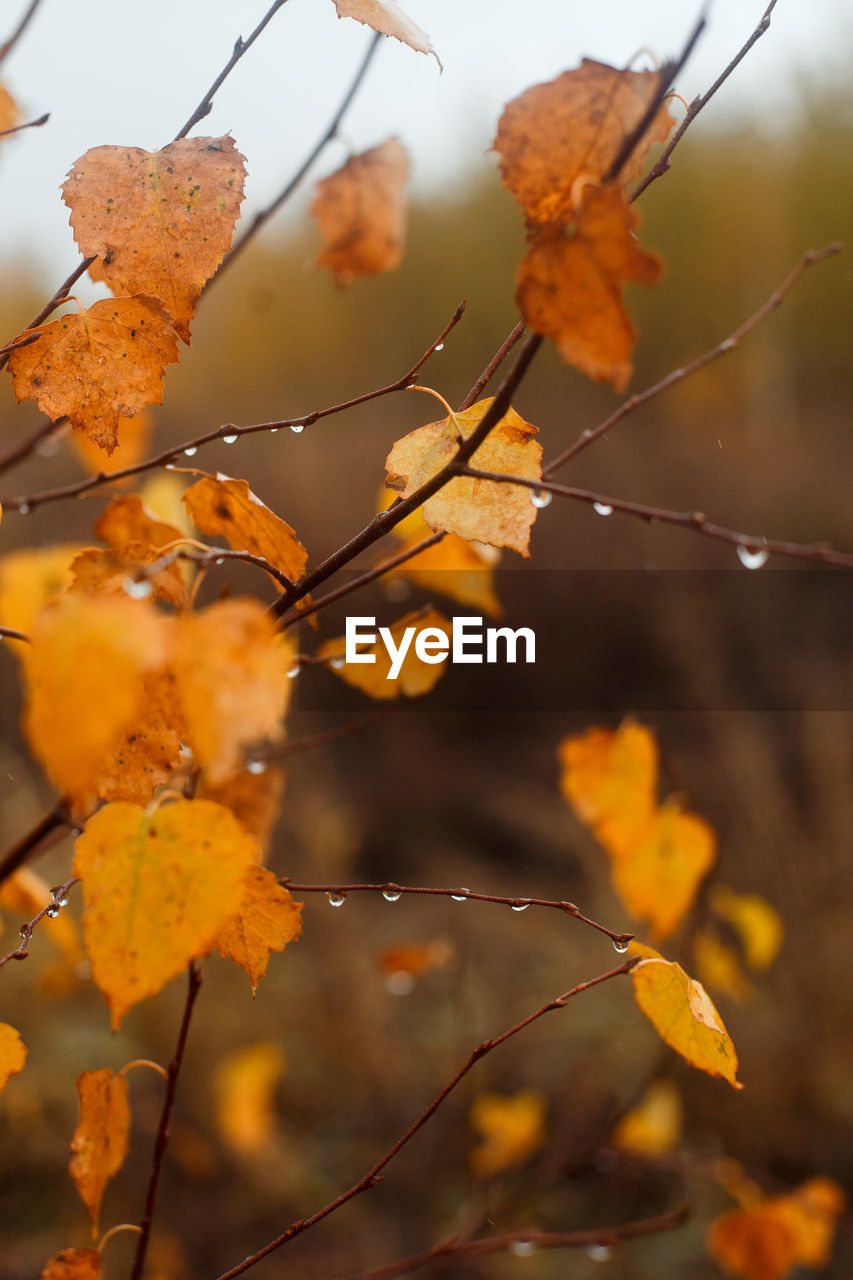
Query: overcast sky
129,72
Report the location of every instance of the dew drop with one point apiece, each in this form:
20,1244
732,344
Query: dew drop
24,508
719,444
522,1248
439,346
621,945
336,899
24,931
62,902
297,428
273,431
399,983
599,1252
396,589
293,671
52,911
137,590
337,663
602,508
219,560
390,894
191,451
461,896
229,439
752,559
256,766
540,498
520,905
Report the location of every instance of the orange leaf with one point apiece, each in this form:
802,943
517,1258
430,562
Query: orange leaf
100,1140
653,1126
406,961
683,1015
13,1053
157,887
227,508
98,366
134,435
231,667
414,678
512,1128
718,967
456,569
86,672
159,221
659,878
570,287
757,923
770,1239
135,538
148,750
253,798
28,580
245,1082
388,19
9,113
477,510
74,1264
361,214
266,921
610,780
571,128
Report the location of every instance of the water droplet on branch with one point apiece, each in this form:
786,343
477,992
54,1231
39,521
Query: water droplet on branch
602,509
336,899
229,439
461,896
752,559
297,428
541,498
390,894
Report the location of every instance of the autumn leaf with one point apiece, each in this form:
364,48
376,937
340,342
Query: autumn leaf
266,921
718,967
135,538
405,962
159,222
100,1140
415,678
755,921
162,494
361,213
9,113
13,1053
477,510
768,1240
98,366
511,1127
456,569
86,678
389,20
659,877
653,1126
569,287
134,435
610,780
231,669
148,749
573,128
683,1014
226,508
253,798
28,581
157,887
74,1264
244,1083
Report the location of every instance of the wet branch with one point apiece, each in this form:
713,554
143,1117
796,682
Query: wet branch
46,831
7,47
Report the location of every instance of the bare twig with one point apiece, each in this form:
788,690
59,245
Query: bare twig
7,47
371,1178
208,556
89,484
47,830
390,889
28,124
9,633
58,899
586,438
494,364
162,1140
325,736
663,163
57,300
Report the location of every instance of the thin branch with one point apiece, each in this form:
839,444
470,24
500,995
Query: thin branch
90,484
663,163
728,344
527,1241
393,891
287,191
28,124
8,46
58,899
241,47
325,736
9,633
56,301
697,521
208,556
46,831
494,364
162,1139
371,1178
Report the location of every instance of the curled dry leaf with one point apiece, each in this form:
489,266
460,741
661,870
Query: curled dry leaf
360,211
244,1084
266,921
571,128
98,366
13,1053
477,510
100,1140
569,287
159,222
511,1127
414,679
226,508
74,1264
157,887
388,19
767,1241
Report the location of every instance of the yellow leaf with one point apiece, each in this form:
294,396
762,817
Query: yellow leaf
658,878
414,679
683,1015
477,510
157,887
74,1264
245,1084
28,581
162,494
718,967
512,1128
360,211
148,749
610,780
266,921
770,1239
759,926
456,569
231,668
653,1126
100,1140
158,221
13,1053
388,19
253,798
228,509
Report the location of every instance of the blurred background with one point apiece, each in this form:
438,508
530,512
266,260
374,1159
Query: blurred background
752,712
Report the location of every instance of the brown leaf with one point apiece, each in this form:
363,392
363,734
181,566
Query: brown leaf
571,128
477,510
159,221
361,214
388,19
226,508
100,1140
74,1264
267,920
135,539
96,367
570,286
